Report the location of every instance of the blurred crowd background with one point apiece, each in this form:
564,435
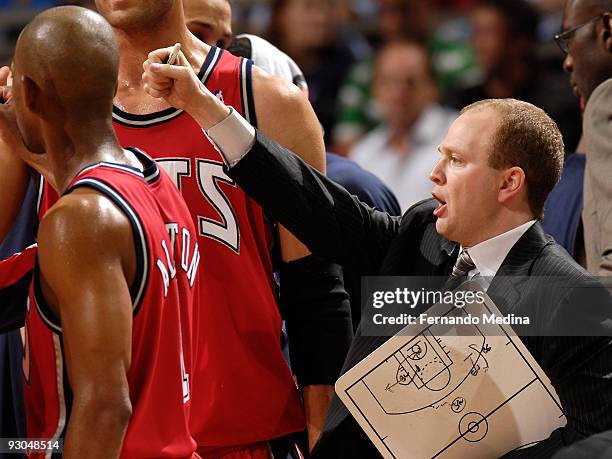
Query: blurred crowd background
387,77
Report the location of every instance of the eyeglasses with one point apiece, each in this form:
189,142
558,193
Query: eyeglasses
563,39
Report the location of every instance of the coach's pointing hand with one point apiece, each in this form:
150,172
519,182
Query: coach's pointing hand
180,87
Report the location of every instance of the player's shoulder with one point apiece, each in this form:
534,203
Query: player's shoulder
281,108
84,216
264,81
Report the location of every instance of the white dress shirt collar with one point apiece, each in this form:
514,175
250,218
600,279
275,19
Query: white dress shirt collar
490,254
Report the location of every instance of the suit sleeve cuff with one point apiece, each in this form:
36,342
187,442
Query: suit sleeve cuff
233,137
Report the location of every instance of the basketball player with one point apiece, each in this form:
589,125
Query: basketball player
108,353
246,394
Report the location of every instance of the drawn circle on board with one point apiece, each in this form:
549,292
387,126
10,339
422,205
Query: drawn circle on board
458,405
418,350
473,427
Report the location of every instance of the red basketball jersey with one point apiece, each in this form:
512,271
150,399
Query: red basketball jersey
243,389
163,295
17,266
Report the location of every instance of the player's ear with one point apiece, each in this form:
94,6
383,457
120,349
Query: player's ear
31,95
606,31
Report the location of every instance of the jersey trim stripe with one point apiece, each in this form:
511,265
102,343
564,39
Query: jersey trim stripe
121,167
246,91
160,117
151,172
43,309
40,193
152,119
142,251
59,368
214,55
152,177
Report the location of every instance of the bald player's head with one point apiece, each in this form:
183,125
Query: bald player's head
65,70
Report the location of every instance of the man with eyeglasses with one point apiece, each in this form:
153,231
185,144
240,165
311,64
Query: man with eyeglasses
586,40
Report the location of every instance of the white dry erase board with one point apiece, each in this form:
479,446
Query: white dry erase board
440,391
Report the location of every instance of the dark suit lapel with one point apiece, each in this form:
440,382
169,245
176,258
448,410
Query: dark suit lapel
506,289
421,252
522,255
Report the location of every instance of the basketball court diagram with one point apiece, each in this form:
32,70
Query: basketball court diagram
452,391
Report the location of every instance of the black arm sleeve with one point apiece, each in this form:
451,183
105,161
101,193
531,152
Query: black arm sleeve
320,213
318,316
13,304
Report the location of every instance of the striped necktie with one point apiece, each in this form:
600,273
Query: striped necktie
463,265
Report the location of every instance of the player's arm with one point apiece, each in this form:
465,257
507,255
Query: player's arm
87,257
285,115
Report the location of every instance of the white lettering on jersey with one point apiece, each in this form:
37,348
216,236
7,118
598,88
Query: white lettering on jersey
173,230
185,253
193,267
176,168
190,259
171,266
165,276
184,375
210,173
225,229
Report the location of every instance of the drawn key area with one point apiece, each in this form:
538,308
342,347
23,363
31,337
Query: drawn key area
427,370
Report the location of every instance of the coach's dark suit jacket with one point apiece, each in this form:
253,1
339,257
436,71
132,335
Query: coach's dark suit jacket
334,224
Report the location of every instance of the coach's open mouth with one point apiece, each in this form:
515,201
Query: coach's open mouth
441,206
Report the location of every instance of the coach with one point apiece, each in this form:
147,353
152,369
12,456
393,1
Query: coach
499,162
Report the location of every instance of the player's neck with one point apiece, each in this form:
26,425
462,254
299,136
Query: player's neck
74,149
135,46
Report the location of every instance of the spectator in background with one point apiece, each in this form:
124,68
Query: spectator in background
504,37
310,32
5,4
403,149
40,4
400,20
